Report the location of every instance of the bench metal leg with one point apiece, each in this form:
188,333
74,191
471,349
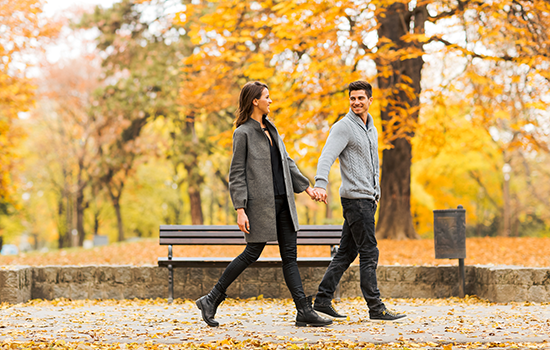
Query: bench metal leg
170,277
170,284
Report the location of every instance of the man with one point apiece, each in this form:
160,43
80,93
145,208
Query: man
354,140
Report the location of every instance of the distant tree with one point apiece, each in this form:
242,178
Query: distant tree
23,32
143,58
141,79
69,143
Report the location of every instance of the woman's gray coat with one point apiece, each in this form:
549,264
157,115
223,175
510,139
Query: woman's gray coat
251,179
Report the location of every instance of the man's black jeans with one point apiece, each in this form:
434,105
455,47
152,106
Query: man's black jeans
286,237
357,238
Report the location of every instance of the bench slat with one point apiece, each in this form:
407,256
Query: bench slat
231,235
241,241
199,227
202,241
240,234
223,262
204,234
223,228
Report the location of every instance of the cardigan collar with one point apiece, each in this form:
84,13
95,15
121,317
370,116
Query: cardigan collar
357,119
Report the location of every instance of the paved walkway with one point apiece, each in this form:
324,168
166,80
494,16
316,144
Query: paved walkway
430,322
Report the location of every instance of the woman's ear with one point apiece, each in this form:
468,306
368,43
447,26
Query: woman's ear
255,102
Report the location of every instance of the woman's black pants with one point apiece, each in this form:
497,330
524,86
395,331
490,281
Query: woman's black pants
286,236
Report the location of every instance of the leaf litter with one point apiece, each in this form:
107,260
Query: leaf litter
517,251
261,323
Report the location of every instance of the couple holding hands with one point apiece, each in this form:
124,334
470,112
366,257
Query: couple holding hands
262,183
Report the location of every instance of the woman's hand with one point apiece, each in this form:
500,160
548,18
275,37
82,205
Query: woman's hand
311,193
242,220
317,195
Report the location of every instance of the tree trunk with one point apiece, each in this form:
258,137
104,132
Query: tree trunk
395,219
116,205
80,207
193,189
194,177
61,223
115,199
506,215
96,222
226,205
70,218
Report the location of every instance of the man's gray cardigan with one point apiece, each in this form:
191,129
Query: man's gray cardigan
356,144
251,179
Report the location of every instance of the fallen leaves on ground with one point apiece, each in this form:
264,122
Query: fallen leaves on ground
229,344
524,251
260,323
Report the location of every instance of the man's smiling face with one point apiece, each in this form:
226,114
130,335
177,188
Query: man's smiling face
359,102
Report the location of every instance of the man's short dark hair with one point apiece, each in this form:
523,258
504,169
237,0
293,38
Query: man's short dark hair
361,85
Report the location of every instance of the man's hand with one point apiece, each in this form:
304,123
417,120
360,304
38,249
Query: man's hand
321,195
311,193
242,220
314,194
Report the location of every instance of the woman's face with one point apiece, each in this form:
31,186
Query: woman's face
263,102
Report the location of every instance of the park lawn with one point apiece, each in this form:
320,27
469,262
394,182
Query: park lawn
524,251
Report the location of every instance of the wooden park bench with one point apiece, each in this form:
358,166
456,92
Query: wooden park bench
171,235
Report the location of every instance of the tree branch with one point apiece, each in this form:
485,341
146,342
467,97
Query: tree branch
478,180
460,8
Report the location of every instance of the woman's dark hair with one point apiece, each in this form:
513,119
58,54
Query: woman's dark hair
361,85
250,91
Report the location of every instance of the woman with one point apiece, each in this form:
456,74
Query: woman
262,182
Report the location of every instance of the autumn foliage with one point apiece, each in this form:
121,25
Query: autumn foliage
135,131
22,33
309,52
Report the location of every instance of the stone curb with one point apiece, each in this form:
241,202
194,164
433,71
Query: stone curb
497,284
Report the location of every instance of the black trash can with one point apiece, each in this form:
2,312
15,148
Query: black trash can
450,233
450,239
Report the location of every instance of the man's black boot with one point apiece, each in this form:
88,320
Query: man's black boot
208,305
326,309
307,316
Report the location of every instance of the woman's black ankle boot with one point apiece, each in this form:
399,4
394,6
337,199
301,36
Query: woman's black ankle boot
208,305
307,316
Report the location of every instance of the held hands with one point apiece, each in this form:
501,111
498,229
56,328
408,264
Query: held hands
242,220
317,194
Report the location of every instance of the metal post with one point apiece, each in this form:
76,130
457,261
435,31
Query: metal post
333,251
450,240
461,279
170,284
170,277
